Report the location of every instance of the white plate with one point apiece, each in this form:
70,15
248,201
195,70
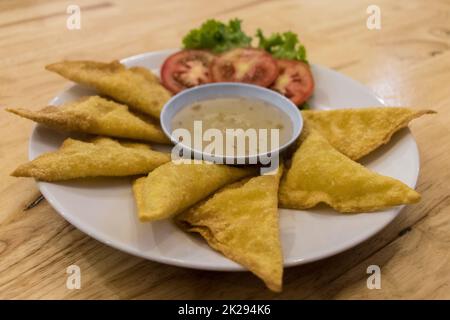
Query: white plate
104,208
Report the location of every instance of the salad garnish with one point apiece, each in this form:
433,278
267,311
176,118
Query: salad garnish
217,36
223,52
282,45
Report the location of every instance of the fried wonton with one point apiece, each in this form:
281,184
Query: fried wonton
137,87
95,158
320,173
241,221
357,132
174,187
137,186
96,115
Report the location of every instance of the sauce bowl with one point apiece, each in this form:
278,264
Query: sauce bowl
223,90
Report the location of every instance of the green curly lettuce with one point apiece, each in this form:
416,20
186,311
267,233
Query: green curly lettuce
282,45
217,36
304,106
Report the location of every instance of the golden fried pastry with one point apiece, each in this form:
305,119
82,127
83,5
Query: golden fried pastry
95,158
357,132
137,187
137,87
320,173
241,221
97,115
147,74
174,187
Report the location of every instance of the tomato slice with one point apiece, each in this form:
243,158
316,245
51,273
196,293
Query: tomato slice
186,69
245,65
295,80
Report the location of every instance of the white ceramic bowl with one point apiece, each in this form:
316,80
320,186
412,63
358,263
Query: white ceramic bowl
231,89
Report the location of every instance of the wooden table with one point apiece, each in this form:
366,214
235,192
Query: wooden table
406,62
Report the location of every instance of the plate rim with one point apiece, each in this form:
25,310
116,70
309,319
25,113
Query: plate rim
350,243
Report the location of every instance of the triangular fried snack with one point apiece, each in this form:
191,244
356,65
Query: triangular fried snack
174,187
136,87
320,173
96,115
241,221
357,132
95,158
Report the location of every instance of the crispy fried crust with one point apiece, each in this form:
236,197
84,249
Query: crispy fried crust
320,173
147,74
357,132
95,158
137,87
138,185
173,188
96,115
241,221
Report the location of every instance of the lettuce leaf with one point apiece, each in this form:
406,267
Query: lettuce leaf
282,45
217,36
304,106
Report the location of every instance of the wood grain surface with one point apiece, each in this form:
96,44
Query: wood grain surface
406,62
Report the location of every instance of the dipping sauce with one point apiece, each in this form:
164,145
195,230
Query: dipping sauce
236,113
